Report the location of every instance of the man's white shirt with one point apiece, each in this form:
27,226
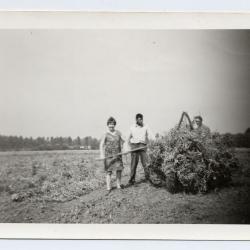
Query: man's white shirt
140,134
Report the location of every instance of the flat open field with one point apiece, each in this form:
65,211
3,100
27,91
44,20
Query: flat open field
69,187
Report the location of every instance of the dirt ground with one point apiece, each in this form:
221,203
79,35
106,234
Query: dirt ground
141,203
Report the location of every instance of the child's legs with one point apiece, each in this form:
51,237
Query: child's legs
108,180
118,178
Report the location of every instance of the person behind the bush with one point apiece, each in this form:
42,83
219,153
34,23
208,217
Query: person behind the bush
201,131
111,144
139,136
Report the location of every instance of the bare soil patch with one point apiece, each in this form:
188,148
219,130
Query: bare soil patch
69,187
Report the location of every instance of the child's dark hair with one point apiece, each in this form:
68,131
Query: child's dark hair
111,120
138,116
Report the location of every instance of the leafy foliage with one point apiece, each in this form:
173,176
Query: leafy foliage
183,161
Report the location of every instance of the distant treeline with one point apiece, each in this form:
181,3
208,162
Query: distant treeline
8,143
241,140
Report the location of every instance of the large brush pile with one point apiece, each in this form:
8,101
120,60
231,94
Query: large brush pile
185,161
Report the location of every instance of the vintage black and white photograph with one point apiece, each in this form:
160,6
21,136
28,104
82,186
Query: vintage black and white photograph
116,126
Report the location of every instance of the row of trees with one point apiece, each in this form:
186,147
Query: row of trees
8,143
240,140
49,143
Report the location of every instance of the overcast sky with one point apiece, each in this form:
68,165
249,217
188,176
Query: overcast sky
67,83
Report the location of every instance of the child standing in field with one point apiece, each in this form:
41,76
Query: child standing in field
111,144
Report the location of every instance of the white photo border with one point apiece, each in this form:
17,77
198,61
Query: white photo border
124,20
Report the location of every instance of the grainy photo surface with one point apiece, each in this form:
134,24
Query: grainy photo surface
125,126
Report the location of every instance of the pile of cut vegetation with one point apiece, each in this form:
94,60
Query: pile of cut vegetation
183,161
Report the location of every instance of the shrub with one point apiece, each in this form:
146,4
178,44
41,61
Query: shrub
183,161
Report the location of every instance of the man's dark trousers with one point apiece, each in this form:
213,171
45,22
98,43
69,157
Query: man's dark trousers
135,159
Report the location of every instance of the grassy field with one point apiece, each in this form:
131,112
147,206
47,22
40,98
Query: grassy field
69,187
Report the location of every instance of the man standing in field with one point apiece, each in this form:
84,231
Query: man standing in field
139,136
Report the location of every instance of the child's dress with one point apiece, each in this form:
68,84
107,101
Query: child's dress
112,146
